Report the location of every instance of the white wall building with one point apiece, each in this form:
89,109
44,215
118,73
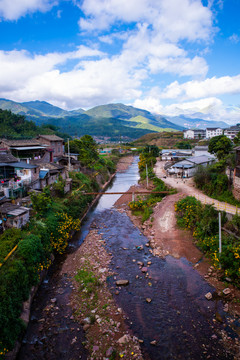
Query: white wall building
211,132
188,167
194,134
232,132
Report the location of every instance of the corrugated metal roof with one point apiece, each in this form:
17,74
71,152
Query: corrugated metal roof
21,210
183,164
43,173
200,159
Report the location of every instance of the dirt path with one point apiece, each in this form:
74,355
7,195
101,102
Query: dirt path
187,187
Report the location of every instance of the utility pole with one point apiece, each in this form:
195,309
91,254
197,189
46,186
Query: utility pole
147,174
69,166
220,232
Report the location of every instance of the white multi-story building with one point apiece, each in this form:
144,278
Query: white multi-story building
232,131
211,132
194,134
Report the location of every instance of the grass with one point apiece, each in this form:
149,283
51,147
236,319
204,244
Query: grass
87,281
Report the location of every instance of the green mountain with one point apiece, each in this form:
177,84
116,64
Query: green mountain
130,113
15,126
112,120
45,109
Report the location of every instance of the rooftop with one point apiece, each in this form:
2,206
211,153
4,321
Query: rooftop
13,210
51,137
7,158
19,143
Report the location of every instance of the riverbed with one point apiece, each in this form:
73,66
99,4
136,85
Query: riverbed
163,309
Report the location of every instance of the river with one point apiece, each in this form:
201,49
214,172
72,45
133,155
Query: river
179,318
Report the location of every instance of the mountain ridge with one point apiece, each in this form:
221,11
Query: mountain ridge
111,120
116,119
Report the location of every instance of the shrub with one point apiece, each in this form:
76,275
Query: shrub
8,240
202,220
41,202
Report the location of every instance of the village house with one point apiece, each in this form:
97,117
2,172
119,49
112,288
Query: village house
232,131
211,132
194,134
70,162
49,173
15,176
200,150
175,155
53,142
188,167
25,149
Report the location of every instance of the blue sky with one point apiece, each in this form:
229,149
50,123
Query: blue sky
168,56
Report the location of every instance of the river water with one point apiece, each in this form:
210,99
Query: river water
179,318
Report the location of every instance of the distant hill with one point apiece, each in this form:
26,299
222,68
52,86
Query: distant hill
190,123
45,109
15,126
143,118
112,120
164,139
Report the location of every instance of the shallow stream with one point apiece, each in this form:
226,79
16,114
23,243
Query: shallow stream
178,318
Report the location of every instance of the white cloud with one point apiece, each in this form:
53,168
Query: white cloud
198,89
14,9
149,103
175,19
96,80
181,66
207,109
204,106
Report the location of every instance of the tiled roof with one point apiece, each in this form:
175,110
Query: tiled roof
51,137
46,165
25,142
7,158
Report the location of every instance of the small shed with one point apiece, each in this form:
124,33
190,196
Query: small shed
14,215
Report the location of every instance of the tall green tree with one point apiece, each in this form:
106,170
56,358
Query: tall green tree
86,147
220,146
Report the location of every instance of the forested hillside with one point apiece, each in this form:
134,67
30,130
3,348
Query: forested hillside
112,120
14,126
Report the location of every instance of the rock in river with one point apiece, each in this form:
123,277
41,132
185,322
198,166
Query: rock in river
208,296
122,282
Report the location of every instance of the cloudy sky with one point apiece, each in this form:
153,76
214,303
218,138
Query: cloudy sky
168,56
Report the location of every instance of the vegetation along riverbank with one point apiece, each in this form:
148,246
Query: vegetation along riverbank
55,217
181,226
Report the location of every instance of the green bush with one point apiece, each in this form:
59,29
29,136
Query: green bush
8,240
30,250
41,202
202,220
213,181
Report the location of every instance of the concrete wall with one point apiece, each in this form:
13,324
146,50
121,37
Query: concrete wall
236,187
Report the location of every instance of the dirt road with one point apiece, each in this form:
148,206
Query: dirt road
187,187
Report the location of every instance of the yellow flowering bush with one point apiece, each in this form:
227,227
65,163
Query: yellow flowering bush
60,233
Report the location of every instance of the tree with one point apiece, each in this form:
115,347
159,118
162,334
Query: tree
220,146
183,145
86,147
152,150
